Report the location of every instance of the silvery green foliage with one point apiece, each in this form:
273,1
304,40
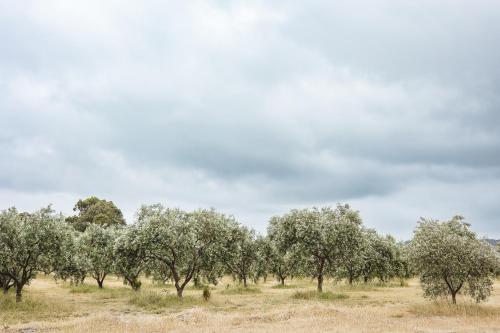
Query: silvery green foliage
241,253
72,263
96,245
158,271
326,237
265,258
29,243
6,282
380,257
352,267
286,259
498,253
186,242
401,264
450,260
130,256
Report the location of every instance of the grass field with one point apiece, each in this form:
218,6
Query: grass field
58,307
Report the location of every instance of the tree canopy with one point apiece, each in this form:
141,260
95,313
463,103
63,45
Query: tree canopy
172,244
451,260
29,243
95,211
186,242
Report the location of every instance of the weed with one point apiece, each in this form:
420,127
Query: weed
314,295
153,300
238,290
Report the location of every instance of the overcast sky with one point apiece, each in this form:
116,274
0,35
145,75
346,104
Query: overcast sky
254,107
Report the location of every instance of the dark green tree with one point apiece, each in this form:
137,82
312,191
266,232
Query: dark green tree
95,211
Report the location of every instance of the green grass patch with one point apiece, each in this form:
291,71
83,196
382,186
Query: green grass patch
286,286
314,295
240,290
83,289
88,288
31,308
151,300
103,294
356,287
392,284
370,286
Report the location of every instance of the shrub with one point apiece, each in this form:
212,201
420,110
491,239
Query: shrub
206,293
154,300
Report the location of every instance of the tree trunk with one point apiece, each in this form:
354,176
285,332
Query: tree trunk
19,293
100,283
320,283
245,281
134,284
454,297
350,280
179,292
5,290
320,275
282,281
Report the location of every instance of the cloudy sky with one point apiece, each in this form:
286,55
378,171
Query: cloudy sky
254,107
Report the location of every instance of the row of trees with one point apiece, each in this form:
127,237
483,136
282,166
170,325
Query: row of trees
203,245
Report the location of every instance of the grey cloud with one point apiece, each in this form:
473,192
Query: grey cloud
254,107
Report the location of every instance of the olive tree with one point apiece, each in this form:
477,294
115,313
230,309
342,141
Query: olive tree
385,258
96,244
29,242
6,283
264,258
326,237
401,264
450,259
498,252
348,242
130,256
241,253
185,242
72,263
352,266
286,259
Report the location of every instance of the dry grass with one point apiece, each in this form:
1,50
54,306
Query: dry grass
31,307
51,307
431,309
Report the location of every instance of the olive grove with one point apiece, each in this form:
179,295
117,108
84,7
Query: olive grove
201,246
